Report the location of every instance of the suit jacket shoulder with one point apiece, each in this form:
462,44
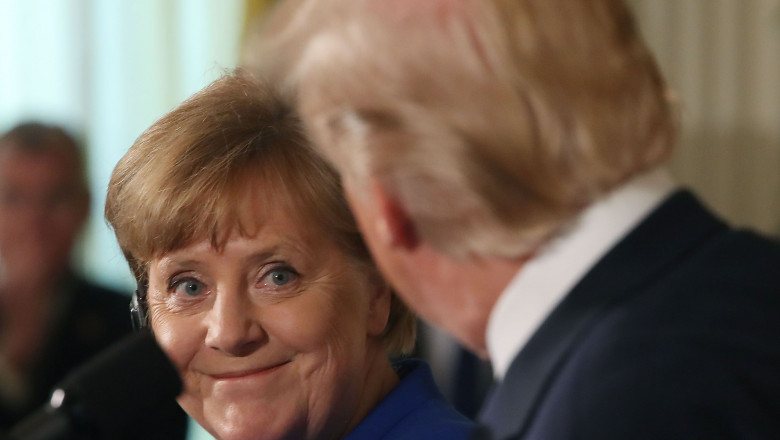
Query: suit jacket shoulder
672,335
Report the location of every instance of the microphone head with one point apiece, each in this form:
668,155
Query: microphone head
117,389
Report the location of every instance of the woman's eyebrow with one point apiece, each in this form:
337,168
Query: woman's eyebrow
167,263
263,255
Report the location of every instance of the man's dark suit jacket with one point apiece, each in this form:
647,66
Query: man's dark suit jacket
674,334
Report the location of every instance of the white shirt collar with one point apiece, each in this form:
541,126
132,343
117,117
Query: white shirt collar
546,279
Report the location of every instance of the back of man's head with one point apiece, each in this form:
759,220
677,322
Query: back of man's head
493,122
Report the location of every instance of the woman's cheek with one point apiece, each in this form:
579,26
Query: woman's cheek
177,338
303,324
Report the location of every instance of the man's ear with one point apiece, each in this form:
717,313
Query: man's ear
394,225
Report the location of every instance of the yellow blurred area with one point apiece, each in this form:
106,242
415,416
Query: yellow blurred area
253,10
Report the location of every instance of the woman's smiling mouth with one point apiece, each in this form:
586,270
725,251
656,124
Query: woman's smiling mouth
240,374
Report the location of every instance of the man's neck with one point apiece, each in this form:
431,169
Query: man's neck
489,278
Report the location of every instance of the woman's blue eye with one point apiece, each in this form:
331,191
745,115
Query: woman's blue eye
189,287
280,277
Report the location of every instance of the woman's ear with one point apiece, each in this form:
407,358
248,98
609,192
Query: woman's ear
379,307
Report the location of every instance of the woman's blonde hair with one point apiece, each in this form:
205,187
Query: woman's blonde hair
186,177
493,122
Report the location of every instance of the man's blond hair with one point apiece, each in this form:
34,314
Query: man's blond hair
493,122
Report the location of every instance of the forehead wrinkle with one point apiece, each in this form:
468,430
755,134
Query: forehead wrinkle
168,263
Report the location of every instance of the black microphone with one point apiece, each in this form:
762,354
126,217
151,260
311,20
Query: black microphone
108,397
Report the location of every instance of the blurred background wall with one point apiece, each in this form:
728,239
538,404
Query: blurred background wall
722,58
106,69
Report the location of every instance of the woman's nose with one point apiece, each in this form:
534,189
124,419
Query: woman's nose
233,327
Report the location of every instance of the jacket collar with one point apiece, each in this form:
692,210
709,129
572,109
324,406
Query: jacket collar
677,226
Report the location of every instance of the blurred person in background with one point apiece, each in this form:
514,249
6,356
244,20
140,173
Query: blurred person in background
51,318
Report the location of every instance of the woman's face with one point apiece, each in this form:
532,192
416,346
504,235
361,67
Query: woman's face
274,335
